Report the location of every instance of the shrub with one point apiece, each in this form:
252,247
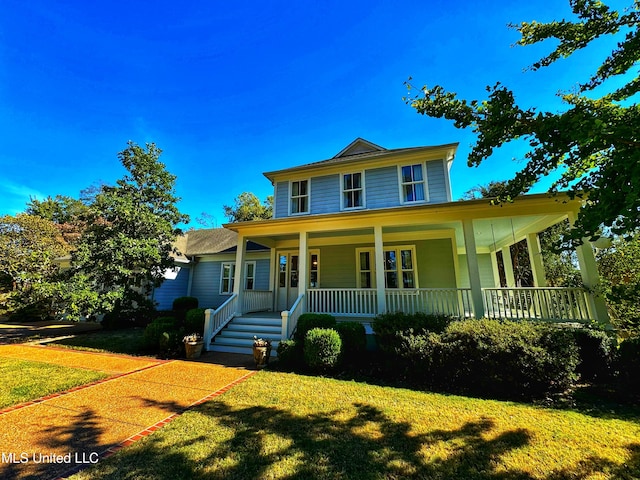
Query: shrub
170,344
597,350
390,327
629,364
354,339
194,321
322,349
153,332
308,321
290,354
184,304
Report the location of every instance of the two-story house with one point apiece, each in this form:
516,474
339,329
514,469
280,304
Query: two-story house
374,230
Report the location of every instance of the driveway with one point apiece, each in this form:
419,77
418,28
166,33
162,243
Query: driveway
63,433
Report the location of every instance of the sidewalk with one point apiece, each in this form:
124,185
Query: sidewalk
49,437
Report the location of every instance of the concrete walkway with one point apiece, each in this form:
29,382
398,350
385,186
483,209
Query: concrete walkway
57,434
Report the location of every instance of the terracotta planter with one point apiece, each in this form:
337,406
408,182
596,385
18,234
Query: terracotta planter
193,349
261,355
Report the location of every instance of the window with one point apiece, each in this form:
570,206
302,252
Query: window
300,197
352,190
227,274
412,183
399,267
314,270
250,277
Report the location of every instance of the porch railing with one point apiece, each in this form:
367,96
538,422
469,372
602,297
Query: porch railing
257,301
353,302
544,303
441,301
290,317
215,320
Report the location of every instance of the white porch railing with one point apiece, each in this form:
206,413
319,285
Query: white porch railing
435,301
215,320
354,302
257,301
545,303
290,317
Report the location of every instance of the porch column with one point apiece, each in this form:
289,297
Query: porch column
303,273
379,254
474,271
507,261
238,287
495,268
273,273
589,273
535,259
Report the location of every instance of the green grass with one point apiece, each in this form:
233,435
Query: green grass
281,425
25,380
128,341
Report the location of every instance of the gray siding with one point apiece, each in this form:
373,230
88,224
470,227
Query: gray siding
325,194
262,274
435,263
166,293
436,181
486,271
382,187
281,207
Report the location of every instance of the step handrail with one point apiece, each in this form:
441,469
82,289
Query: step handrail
216,319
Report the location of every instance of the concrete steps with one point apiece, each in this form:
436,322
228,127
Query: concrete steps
237,336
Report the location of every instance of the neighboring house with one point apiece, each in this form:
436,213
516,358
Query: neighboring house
373,230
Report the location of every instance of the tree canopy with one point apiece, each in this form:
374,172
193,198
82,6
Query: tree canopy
594,145
248,207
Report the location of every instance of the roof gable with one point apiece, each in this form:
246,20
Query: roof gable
359,145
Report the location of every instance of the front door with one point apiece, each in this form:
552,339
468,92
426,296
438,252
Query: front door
287,280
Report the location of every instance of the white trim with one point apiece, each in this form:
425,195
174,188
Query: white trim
246,274
308,195
446,165
424,181
372,267
362,189
232,273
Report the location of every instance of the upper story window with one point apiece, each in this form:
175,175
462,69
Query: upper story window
352,190
300,197
412,183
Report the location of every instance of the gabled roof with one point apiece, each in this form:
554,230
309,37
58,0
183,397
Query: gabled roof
211,241
360,150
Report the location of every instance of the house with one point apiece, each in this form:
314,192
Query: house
373,230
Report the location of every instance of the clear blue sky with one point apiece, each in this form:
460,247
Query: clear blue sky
229,90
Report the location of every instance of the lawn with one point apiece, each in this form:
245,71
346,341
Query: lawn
25,380
282,425
128,341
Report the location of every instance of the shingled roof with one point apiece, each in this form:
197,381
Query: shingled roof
210,241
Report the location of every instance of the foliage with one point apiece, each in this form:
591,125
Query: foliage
619,268
560,265
322,348
290,354
131,229
597,353
354,339
593,145
65,212
493,189
307,321
389,327
29,246
248,207
153,332
194,320
629,365
184,303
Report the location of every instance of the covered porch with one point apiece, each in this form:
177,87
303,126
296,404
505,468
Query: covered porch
452,259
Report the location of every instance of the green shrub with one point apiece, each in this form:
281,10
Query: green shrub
354,339
597,352
308,321
194,321
290,354
184,304
170,344
322,348
629,365
390,327
153,332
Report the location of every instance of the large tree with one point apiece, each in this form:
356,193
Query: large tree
248,207
594,144
128,243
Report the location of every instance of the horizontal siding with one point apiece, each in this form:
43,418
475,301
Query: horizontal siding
382,187
338,266
436,181
262,274
486,271
325,194
435,264
281,207
165,294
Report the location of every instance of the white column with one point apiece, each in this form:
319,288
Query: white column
474,271
238,287
379,258
273,273
303,260
495,268
507,261
535,259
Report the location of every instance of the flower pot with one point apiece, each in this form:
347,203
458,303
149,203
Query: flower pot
261,355
193,349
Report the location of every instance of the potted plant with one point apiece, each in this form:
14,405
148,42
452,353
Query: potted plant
193,345
261,351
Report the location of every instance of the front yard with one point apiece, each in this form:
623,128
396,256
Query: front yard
283,425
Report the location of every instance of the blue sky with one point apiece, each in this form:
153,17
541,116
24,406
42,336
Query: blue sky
229,90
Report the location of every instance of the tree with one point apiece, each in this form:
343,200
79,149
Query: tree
594,144
493,189
131,229
65,212
248,207
29,246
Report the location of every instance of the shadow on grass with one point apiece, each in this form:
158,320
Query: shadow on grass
127,341
261,442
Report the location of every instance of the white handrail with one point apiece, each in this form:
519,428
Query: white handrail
354,302
538,303
290,317
257,301
455,302
216,320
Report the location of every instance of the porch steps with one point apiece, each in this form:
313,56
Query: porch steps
237,336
